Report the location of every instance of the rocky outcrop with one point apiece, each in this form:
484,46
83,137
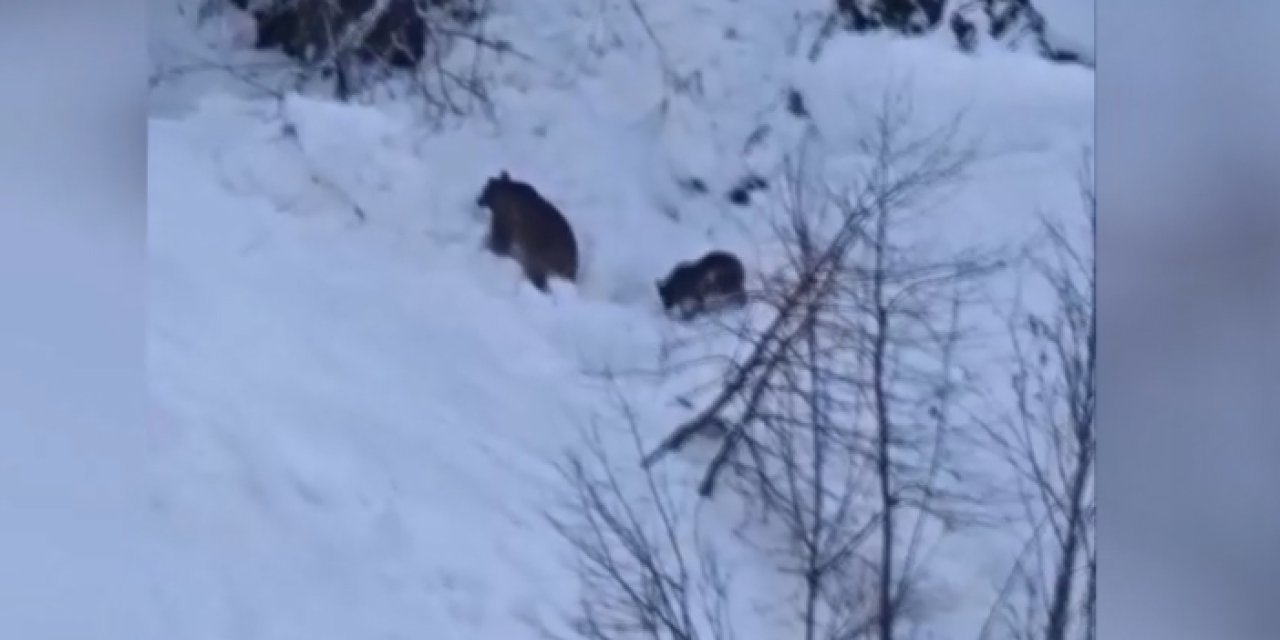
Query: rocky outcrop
1015,24
908,17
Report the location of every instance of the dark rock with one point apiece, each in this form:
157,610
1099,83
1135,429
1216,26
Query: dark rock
796,105
966,34
740,194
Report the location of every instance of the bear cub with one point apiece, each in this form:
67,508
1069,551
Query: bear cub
717,279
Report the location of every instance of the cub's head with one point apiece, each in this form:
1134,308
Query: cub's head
493,188
675,287
664,292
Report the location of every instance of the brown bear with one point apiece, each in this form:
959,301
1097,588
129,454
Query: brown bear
524,226
717,276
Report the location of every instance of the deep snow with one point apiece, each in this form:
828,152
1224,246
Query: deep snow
354,421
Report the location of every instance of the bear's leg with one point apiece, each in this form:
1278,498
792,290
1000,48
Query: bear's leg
538,277
692,307
499,241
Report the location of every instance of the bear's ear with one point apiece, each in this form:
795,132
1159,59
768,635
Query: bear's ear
504,176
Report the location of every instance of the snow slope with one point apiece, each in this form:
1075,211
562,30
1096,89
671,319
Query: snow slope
356,420
1071,23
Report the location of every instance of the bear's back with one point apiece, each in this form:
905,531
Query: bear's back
543,233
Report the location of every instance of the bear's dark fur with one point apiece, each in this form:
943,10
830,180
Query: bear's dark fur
524,226
716,276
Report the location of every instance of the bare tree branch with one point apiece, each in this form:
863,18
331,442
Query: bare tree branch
1049,440
837,415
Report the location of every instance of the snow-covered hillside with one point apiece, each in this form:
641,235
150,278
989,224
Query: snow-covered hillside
357,419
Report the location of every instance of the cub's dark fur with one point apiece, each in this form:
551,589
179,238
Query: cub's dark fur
716,276
524,226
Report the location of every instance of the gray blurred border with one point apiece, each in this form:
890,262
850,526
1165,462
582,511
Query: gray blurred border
1189,309
72,323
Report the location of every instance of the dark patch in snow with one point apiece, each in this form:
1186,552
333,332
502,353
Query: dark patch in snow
693,185
740,194
796,105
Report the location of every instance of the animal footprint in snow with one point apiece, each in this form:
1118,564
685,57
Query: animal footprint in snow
465,599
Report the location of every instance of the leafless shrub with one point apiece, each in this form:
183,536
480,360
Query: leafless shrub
639,576
835,412
1049,440
434,52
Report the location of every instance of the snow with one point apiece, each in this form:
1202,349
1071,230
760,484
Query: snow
1071,23
357,420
